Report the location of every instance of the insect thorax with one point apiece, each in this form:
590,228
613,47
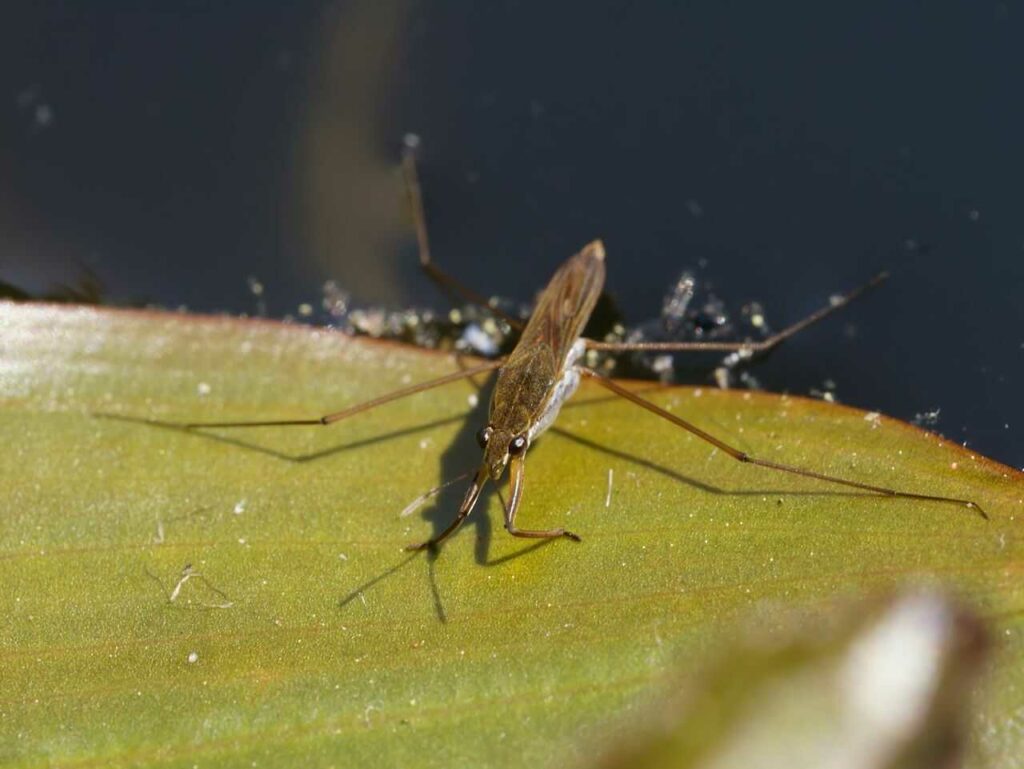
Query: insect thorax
562,390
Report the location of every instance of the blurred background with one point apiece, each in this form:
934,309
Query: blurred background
237,156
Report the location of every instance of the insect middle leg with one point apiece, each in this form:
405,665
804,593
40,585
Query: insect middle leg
337,416
742,456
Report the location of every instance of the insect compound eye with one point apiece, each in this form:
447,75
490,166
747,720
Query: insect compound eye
517,446
483,435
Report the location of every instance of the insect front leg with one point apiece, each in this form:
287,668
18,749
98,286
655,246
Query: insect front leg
517,472
468,503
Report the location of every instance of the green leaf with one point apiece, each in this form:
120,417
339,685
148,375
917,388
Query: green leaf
301,634
882,685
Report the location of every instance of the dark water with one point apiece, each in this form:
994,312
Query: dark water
175,149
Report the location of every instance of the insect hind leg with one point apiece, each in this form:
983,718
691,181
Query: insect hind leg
446,282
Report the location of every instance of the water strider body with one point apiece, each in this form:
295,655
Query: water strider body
539,375
544,370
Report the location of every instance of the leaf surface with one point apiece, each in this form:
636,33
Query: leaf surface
299,632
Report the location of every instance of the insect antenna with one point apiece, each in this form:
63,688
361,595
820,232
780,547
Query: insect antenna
417,503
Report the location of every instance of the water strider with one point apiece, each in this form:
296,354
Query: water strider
544,370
